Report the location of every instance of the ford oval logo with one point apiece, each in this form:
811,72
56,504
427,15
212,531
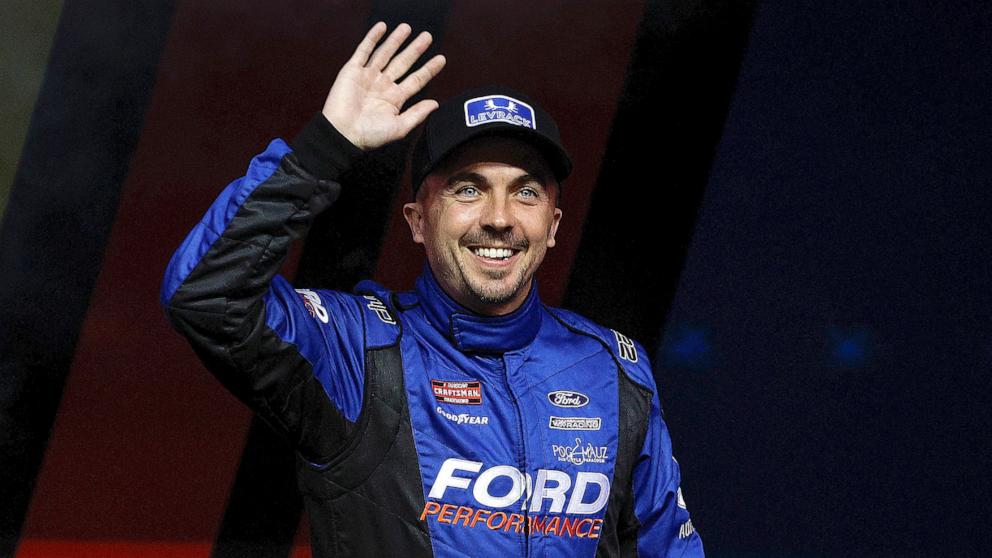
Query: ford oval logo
568,399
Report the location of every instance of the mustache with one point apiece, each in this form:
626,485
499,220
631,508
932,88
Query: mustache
489,238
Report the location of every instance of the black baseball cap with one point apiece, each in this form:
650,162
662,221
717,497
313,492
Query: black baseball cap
487,111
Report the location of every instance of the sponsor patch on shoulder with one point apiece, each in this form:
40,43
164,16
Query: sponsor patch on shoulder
575,423
380,309
626,347
498,108
313,304
458,393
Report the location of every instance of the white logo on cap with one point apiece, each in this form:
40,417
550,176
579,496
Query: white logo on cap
499,108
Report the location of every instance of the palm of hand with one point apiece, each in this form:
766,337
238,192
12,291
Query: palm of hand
365,102
371,101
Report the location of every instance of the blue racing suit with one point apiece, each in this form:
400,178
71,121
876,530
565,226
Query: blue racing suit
422,428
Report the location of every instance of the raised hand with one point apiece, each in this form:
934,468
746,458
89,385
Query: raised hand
365,101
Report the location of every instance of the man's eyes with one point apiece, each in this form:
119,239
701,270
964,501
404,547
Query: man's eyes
527,192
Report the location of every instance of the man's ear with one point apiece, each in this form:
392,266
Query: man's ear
414,214
554,227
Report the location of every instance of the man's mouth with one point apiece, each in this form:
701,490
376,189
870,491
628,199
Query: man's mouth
493,253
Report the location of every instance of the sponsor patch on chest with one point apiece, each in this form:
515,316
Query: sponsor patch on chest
457,392
568,399
462,418
575,423
467,494
579,453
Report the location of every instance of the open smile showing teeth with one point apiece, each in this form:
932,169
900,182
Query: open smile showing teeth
493,253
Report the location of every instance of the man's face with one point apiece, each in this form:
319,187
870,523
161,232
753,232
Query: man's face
486,217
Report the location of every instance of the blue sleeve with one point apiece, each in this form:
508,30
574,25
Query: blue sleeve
326,327
665,527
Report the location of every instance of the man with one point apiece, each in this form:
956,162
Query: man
463,417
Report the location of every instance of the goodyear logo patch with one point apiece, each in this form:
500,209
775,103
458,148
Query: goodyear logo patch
499,108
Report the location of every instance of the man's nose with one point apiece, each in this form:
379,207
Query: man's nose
496,214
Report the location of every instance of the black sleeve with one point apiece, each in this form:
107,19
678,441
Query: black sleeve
251,329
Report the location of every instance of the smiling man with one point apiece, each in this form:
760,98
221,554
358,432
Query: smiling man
462,417
487,216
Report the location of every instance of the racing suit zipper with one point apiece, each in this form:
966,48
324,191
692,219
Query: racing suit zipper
521,456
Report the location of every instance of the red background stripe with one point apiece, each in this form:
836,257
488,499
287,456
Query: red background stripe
146,443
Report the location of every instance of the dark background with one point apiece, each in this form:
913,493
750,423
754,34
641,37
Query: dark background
788,200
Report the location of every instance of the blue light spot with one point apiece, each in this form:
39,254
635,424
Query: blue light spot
848,348
688,347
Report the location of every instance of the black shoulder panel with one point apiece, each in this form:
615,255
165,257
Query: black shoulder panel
367,499
619,538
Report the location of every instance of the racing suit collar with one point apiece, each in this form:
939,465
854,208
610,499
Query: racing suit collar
470,331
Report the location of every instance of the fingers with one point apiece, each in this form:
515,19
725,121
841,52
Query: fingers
416,114
388,48
365,48
419,79
375,66
404,60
